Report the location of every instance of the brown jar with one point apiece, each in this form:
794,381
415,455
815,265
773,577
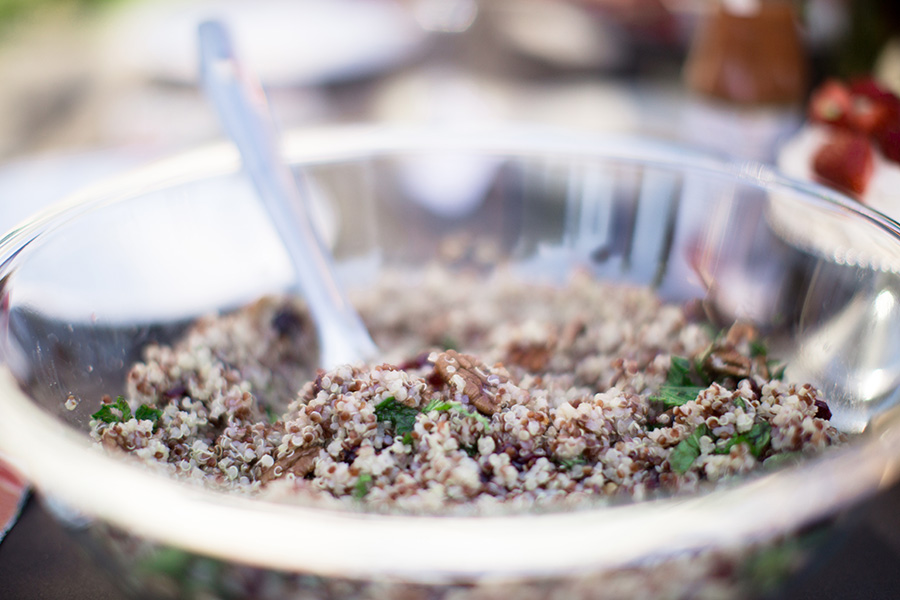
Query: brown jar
752,56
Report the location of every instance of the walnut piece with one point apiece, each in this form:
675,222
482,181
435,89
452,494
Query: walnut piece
466,372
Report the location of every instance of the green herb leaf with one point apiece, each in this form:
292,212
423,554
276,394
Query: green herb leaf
779,373
107,415
686,452
472,451
784,459
739,402
679,372
758,348
123,407
676,395
568,463
437,404
363,484
401,416
407,438
442,405
271,414
147,413
731,443
758,439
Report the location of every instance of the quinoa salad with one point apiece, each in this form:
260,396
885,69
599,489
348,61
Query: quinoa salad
491,394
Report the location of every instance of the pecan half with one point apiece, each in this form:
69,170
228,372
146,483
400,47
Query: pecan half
727,362
300,462
470,377
726,359
533,357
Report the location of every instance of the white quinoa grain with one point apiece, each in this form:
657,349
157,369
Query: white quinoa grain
71,402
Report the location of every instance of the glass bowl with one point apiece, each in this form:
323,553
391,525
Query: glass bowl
86,285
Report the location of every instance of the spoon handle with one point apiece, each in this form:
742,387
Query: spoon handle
244,112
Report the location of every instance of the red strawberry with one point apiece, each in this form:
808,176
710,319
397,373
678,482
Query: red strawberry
831,104
873,107
845,161
870,88
889,141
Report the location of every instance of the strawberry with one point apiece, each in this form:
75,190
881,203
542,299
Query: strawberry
870,88
831,103
873,108
889,142
845,162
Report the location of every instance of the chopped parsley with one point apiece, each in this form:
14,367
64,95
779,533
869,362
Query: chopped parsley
108,415
758,439
363,484
120,412
471,450
401,416
147,413
436,404
785,459
444,405
779,372
681,383
686,452
679,372
675,395
758,348
271,415
568,463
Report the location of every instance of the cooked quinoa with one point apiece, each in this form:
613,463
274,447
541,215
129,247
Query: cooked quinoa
492,393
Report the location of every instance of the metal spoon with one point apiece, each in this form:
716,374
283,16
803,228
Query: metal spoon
244,112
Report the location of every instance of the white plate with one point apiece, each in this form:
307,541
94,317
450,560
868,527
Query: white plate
284,42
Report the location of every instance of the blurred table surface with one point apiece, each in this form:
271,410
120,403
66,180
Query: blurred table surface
38,560
71,110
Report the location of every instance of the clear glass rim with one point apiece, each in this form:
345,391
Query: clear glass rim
68,467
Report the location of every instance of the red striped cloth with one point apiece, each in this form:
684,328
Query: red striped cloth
12,495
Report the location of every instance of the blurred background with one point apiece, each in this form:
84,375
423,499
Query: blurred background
97,74
92,87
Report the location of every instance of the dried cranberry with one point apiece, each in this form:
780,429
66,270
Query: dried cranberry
176,391
822,410
287,323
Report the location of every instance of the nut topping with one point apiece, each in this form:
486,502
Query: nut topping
727,362
470,377
300,462
533,357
